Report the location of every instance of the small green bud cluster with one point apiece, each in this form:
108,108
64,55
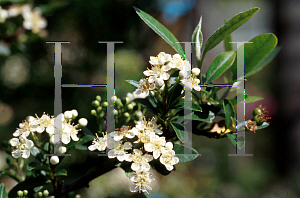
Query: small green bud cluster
125,110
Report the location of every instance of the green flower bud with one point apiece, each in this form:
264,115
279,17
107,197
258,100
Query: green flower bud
99,109
46,193
98,98
40,194
119,102
104,104
130,106
96,103
77,196
114,98
93,112
52,197
20,193
115,112
25,192
102,114
126,114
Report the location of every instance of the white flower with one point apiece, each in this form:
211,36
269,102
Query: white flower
176,62
149,126
123,132
191,83
33,20
98,143
196,71
168,157
14,10
23,146
156,145
143,88
44,122
157,71
140,161
26,127
54,160
3,15
119,150
161,59
141,181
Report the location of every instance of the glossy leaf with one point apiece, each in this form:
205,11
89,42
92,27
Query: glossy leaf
2,191
180,131
229,112
161,30
184,153
264,62
227,42
197,39
13,176
133,83
62,172
221,63
32,165
236,140
147,104
227,29
250,99
206,116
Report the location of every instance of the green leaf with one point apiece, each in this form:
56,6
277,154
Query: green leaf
32,165
145,194
227,42
221,63
181,133
264,62
133,83
62,172
28,184
84,142
256,53
206,116
13,176
229,112
197,39
227,29
250,99
37,154
2,191
236,140
161,30
184,153
160,168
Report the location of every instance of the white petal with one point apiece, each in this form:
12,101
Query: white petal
111,154
148,147
156,154
26,154
135,166
14,141
169,167
120,157
66,138
16,153
133,188
17,133
29,144
74,137
92,147
127,145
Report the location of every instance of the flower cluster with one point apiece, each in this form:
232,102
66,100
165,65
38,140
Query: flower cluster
33,19
162,67
145,145
59,129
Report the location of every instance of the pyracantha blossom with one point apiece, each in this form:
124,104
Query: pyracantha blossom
157,73
140,161
123,132
156,145
98,143
23,146
29,125
141,181
3,15
148,126
119,151
161,59
44,122
191,83
33,19
168,157
143,88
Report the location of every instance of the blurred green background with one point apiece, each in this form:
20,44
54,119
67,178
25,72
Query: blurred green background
27,87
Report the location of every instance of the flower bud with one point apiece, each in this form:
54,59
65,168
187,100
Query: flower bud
104,104
78,196
126,114
40,194
93,112
96,103
196,71
99,109
82,122
62,150
182,74
115,112
20,193
54,160
102,114
119,102
25,192
159,82
46,193
98,98
74,113
68,115
113,98
130,106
